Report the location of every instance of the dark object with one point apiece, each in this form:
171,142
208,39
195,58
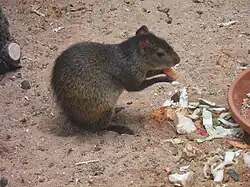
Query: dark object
25,85
237,91
176,97
3,182
10,52
88,78
233,174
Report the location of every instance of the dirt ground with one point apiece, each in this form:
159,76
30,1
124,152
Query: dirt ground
36,151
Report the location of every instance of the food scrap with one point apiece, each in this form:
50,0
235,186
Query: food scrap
211,120
162,114
171,73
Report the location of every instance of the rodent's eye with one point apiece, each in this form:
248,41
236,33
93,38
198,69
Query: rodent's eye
160,54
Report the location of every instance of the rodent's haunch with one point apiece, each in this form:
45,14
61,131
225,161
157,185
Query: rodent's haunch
88,78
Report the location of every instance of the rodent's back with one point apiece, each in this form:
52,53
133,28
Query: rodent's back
81,79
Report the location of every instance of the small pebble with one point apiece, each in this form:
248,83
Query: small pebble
24,162
19,75
90,181
42,179
127,1
146,10
97,148
113,9
124,34
199,12
40,148
51,164
24,120
25,85
12,78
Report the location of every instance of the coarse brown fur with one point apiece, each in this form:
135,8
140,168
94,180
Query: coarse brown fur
88,78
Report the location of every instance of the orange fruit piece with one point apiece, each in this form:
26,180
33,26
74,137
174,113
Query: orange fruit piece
171,73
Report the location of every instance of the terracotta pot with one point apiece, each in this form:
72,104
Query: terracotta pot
237,92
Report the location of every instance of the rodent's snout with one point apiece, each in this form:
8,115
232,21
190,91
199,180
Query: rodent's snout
177,59
174,60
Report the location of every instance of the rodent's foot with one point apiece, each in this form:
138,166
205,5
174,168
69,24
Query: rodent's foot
120,129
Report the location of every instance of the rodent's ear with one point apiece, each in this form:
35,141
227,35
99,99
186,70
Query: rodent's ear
144,43
143,30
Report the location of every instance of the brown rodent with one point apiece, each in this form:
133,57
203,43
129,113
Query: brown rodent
88,78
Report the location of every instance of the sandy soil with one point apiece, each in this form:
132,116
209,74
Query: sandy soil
36,151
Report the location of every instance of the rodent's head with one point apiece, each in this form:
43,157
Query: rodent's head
159,53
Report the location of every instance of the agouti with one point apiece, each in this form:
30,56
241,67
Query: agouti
88,78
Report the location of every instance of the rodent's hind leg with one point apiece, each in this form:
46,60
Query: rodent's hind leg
120,129
101,124
104,124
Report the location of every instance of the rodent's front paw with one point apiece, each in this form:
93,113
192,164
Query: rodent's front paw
168,79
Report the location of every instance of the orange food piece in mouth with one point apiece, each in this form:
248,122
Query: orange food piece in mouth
171,73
